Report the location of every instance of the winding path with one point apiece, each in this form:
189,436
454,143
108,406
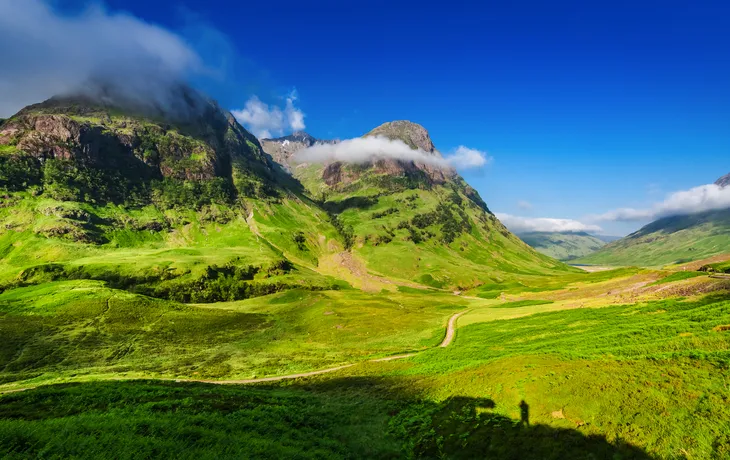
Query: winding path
451,330
450,334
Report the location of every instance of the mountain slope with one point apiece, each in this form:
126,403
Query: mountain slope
419,222
282,149
674,239
724,181
563,245
187,208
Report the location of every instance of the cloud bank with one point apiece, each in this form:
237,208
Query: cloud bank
698,199
366,149
45,53
266,121
545,224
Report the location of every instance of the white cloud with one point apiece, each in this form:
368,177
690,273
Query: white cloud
366,149
266,121
45,53
545,224
294,115
524,205
698,199
465,158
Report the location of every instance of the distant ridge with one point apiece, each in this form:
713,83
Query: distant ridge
563,245
673,239
724,181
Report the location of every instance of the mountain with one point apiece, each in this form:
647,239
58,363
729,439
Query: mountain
128,150
417,221
185,207
724,181
181,202
607,238
673,239
281,149
563,245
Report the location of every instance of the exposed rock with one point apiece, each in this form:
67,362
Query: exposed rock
282,149
413,134
198,148
724,181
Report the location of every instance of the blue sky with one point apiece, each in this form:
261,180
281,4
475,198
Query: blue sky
584,106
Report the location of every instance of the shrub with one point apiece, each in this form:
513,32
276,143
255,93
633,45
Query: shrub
300,240
18,172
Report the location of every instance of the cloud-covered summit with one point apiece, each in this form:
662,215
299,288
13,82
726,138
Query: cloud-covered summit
695,200
47,53
363,150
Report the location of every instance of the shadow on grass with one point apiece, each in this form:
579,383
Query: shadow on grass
339,418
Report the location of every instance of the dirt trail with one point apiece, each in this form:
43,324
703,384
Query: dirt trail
450,333
451,330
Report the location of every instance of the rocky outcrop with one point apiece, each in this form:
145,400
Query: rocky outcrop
724,181
413,134
75,129
282,149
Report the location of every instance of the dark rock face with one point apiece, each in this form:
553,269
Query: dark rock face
724,181
413,135
81,131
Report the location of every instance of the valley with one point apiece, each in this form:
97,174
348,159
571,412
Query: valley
172,288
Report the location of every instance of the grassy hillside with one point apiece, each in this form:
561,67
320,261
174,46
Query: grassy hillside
191,256
638,381
563,245
669,240
84,328
408,221
188,210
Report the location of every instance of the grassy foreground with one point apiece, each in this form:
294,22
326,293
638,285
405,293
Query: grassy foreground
647,379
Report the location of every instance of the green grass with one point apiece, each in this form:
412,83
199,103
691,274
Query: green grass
101,294
723,267
74,329
523,303
631,381
533,284
655,375
154,420
678,276
347,418
669,240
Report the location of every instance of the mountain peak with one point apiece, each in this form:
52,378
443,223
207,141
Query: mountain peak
724,181
296,136
413,134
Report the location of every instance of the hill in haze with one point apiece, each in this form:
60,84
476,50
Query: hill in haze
673,239
563,245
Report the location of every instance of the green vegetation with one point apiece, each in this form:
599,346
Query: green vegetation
75,328
678,276
348,418
723,267
598,382
670,240
187,255
563,246
523,303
